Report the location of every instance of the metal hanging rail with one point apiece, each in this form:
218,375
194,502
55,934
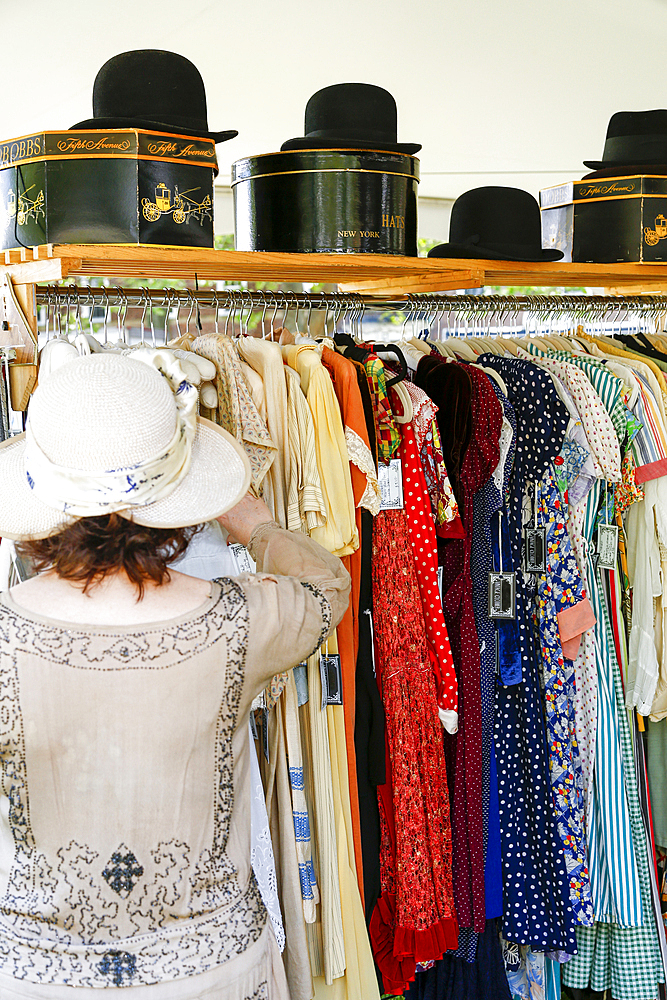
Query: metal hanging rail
592,307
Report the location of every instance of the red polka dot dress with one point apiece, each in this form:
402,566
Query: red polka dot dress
425,554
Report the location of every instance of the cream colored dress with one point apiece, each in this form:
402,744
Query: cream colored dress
125,795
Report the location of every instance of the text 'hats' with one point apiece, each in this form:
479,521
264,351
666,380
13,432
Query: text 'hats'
352,116
496,223
111,433
151,89
634,137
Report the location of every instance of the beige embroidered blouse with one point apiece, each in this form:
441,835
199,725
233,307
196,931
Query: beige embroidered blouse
125,794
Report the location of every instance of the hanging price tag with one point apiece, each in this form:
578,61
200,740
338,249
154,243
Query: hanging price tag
390,480
301,682
502,595
265,732
535,543
332,681
502,585
607,547
440,572
244,561
253,726
534,550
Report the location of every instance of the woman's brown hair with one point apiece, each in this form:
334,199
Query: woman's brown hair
94,547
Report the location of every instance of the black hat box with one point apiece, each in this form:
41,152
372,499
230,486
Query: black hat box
118,186
327,201
607,220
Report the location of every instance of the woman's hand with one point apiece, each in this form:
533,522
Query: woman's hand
242,520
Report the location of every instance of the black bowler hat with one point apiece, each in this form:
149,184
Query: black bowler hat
351,116
151,89
634,137
496,223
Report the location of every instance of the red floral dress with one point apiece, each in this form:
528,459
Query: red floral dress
414,919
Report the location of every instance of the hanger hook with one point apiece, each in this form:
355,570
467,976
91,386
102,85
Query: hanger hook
192,301
275,312
241,311
144,299
296,313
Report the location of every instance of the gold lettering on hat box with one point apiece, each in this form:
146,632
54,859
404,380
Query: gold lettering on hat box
393,221
75,145
128,143
596,190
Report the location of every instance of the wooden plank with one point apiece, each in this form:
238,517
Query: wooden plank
368,273
641,288
25,296
39,270
19,326
22,381
453,280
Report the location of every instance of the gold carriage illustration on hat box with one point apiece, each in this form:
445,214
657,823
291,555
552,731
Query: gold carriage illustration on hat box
653,236
181,208
27,208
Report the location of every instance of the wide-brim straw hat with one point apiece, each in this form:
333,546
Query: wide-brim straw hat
105,415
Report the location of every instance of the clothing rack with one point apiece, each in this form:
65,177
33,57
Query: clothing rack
449,311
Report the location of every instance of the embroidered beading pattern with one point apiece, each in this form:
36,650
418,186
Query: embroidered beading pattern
327,615
261,993
122,871
60,917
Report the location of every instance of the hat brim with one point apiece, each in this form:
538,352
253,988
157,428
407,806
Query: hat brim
303,142
105,123
627,170
603,164
465,251
218,478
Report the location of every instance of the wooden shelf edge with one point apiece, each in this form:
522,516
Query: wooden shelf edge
370,274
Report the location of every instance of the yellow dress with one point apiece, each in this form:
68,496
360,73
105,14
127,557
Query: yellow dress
339,534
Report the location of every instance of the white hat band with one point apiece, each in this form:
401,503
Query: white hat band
84,494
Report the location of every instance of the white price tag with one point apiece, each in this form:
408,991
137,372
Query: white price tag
607,546
244,561
440,572
390,479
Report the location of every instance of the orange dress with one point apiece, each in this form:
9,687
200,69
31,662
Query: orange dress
366,494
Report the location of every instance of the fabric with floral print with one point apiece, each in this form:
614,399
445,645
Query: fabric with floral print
525,970
628,491
568,465
386,431
559,588
237,411
448,523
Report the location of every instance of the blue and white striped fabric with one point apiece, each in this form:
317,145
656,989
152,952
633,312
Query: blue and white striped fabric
614,879
612,955
310,894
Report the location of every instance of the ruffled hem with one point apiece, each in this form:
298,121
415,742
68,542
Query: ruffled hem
398,950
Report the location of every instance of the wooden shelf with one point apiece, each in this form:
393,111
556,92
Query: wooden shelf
369,274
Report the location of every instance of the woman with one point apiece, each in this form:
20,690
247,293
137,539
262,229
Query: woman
125,689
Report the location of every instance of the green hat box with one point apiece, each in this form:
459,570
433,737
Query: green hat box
124,186
607,220
327,201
